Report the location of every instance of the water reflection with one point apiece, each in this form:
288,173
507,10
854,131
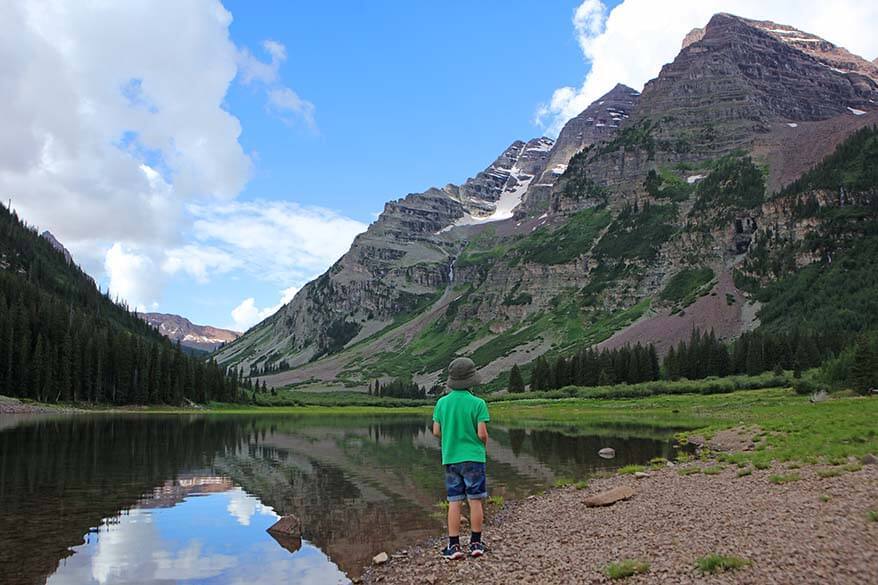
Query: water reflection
188,499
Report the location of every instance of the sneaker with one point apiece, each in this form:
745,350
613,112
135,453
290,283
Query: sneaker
452,552
476,549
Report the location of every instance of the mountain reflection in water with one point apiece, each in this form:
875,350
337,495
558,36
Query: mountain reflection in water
154,498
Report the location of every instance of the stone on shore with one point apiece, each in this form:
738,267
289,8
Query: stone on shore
607,453
609,497
380,558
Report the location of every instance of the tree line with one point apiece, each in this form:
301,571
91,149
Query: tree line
702,356
62,340
397,388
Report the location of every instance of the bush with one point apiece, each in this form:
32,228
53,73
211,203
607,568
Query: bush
625,568
716,563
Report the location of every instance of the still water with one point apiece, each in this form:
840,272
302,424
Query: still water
187,499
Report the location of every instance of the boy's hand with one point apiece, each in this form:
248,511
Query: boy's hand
437,431
482,431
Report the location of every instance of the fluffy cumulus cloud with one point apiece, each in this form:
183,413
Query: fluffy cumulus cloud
631,42
247,314
125,269
115,121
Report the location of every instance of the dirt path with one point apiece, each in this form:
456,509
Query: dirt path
815,530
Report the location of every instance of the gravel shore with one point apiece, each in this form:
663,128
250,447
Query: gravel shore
813,530
14,406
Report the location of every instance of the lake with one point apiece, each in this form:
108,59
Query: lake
155,498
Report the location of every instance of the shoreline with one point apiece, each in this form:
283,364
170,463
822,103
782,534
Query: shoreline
813,524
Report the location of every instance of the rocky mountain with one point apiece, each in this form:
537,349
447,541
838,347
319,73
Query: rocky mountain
49,237
651,214
177,328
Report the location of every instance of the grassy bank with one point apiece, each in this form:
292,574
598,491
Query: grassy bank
787,427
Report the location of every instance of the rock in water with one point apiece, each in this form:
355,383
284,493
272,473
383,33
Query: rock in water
288,526
610,497
607,452
380,558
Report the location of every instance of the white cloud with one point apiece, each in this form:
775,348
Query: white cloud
280,242
133,277
247,314
281,100
114,120
285,101
199,262
630,43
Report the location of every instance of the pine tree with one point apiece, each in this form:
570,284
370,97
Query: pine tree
864,371
516,382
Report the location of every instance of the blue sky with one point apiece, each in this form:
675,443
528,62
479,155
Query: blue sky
208,157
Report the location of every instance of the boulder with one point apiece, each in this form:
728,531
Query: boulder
288,525
641,474
870,459
380,558
607,453
609,497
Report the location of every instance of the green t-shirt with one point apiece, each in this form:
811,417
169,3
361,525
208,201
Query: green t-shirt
459,414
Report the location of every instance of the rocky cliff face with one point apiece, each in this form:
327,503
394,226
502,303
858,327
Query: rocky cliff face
49,237
556,245
177,328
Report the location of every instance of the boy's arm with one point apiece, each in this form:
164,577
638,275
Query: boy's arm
437,430
482,431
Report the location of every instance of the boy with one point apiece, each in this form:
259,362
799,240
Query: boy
459,421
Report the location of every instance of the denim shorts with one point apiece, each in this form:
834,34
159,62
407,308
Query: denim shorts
466,480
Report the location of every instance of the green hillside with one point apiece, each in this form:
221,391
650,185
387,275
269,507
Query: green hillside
62,340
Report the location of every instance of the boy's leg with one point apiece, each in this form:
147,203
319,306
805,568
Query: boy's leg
476,515
454,519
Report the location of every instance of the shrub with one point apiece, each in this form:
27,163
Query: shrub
626,568
717,563
782,479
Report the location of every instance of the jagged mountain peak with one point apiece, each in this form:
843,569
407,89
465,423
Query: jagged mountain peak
50,237
177,328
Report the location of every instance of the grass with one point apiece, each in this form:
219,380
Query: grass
565,243
852,467
684,286
829,472
631,469
745,472
782,479
626,568
581,484
563,482
717,563
496,501
689,471
713,470
795,430
872,515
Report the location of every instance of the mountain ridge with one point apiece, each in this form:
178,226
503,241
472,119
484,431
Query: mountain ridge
177,328
670,184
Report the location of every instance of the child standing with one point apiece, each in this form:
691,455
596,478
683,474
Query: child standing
459,421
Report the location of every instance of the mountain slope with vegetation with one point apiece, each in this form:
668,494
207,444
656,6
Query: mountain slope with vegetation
62,340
